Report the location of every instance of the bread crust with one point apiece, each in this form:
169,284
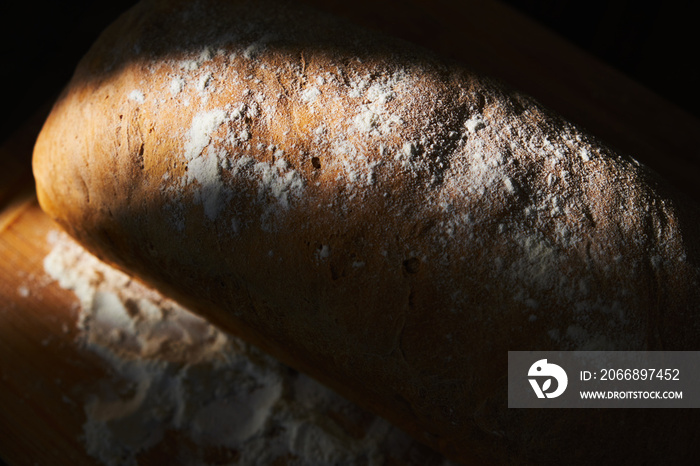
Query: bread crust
384,220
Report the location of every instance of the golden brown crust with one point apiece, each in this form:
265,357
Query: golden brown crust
386,221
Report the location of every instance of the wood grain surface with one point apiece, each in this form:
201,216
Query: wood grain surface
42,372
44,375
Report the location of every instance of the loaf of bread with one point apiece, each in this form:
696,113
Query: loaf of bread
379,218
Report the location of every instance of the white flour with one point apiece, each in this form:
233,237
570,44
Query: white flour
175,372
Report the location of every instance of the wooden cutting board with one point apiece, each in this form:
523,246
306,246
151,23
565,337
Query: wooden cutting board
42,371
45,376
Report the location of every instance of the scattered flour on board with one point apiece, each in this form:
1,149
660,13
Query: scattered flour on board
176,372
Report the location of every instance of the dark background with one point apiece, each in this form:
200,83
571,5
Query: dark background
655,43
